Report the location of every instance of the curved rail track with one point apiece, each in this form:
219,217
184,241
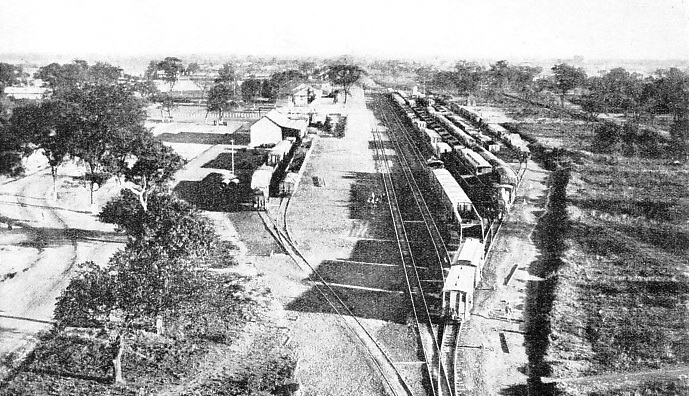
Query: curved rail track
393,379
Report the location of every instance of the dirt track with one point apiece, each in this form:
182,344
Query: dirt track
40,253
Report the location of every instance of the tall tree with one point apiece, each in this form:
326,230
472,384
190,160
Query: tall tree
220,99
13,147
48,126
567,77
468,77
499,73
154,166
192,68
172,67
104,73
104,116
250,89
151,70
9,75
345,75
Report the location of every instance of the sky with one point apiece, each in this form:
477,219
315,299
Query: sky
499,29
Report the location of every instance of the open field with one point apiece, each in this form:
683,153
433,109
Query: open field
615,291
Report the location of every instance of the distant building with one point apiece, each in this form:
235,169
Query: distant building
303,95
32,93
274,127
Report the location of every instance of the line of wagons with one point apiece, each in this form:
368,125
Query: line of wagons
454,139
272,174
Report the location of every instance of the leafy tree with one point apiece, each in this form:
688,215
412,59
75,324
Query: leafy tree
468,77
279,84
193,68
226,75
13,147
250,89
151,70
268,90
147,89
172,67
345,76
499,73
8,75
169,225
167,103
219,99
673,89
567,77
155,165
63,77
48,127
104,73
608,136
521,79
137,286
104,118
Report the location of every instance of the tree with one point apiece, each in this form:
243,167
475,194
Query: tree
48,127
226,75
345,76
268,90
155,165
567,77
193,68
279,84
167,103
137,285
219,99
468,76
104,73
63,77
8,75
151,70
250,89
521,79
147,89
499,73
172,67
13,147
104,118
168,225
608,136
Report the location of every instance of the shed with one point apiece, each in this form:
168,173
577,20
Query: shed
264,131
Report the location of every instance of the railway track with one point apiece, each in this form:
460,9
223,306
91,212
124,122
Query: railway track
448,353
440,383
392,378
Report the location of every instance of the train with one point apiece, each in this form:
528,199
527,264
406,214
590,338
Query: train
269,176
462,279
471,144
462,146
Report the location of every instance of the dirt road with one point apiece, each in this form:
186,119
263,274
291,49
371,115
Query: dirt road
493,353
40,252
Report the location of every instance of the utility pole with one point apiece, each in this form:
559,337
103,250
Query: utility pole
233,174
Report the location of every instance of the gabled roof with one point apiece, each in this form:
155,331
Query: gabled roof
282,121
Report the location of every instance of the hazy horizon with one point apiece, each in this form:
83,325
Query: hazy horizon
459,29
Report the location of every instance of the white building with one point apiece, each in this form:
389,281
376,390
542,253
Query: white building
274,127
33,93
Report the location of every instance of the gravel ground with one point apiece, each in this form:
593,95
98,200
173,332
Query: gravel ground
352,246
